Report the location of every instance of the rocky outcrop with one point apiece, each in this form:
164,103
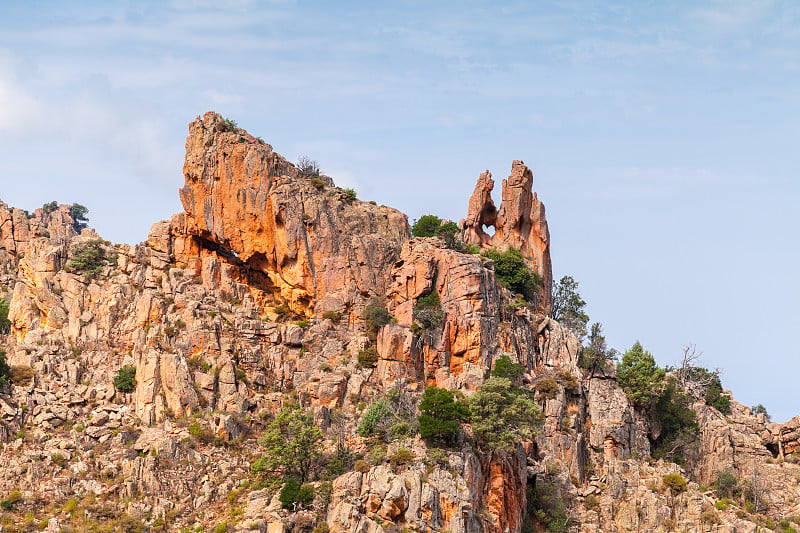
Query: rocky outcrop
784,439
470,303
254,298
466,493
313,246
520,222
18,227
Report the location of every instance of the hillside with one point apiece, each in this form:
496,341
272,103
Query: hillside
154,387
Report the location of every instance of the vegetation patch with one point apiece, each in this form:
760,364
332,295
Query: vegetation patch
441,416
639,376
368,357
674,482
503,415
5,323
125,380
428,314
295,495
308,168
433,226
88,258
5,370
376,316
547,388
293,446
21,375
349,195
513,273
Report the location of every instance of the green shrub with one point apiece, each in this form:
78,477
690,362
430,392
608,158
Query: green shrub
349,195
433,226
591,502
547,387
339,462
674,482
502,414
294,493
440,415
511,271
566,379
228,124
639,376
49,207
761,410
716,399
5,370
21,375
322,527
426,226
78,213
709,516
333,316
89,258
399,430
376,454
10,501
723,504
259,468
428,312
201,433
293,444
5,323
376,316
58,460
504,367
727,484
368,357
569,307
546,508
679,429
125,380
596,353
373,421
402,456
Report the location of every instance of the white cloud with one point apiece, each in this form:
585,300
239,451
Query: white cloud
95,118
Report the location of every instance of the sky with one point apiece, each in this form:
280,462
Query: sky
662,135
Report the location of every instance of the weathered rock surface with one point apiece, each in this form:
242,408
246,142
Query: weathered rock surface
209,312
520,222
311,245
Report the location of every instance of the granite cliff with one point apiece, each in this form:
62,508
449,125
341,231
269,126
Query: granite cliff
257,296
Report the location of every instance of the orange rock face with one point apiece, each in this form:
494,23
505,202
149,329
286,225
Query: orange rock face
520,222
505,494
468,296
306,241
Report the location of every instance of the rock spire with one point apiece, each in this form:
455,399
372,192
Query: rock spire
519,223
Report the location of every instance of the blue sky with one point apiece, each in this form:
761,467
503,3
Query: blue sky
662,136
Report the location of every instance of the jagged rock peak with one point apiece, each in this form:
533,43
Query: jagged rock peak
519,223
17,227
316,246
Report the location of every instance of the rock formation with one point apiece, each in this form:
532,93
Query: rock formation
254,298
310,244
520,223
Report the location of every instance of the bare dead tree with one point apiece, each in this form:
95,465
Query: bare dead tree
759,489
692,377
